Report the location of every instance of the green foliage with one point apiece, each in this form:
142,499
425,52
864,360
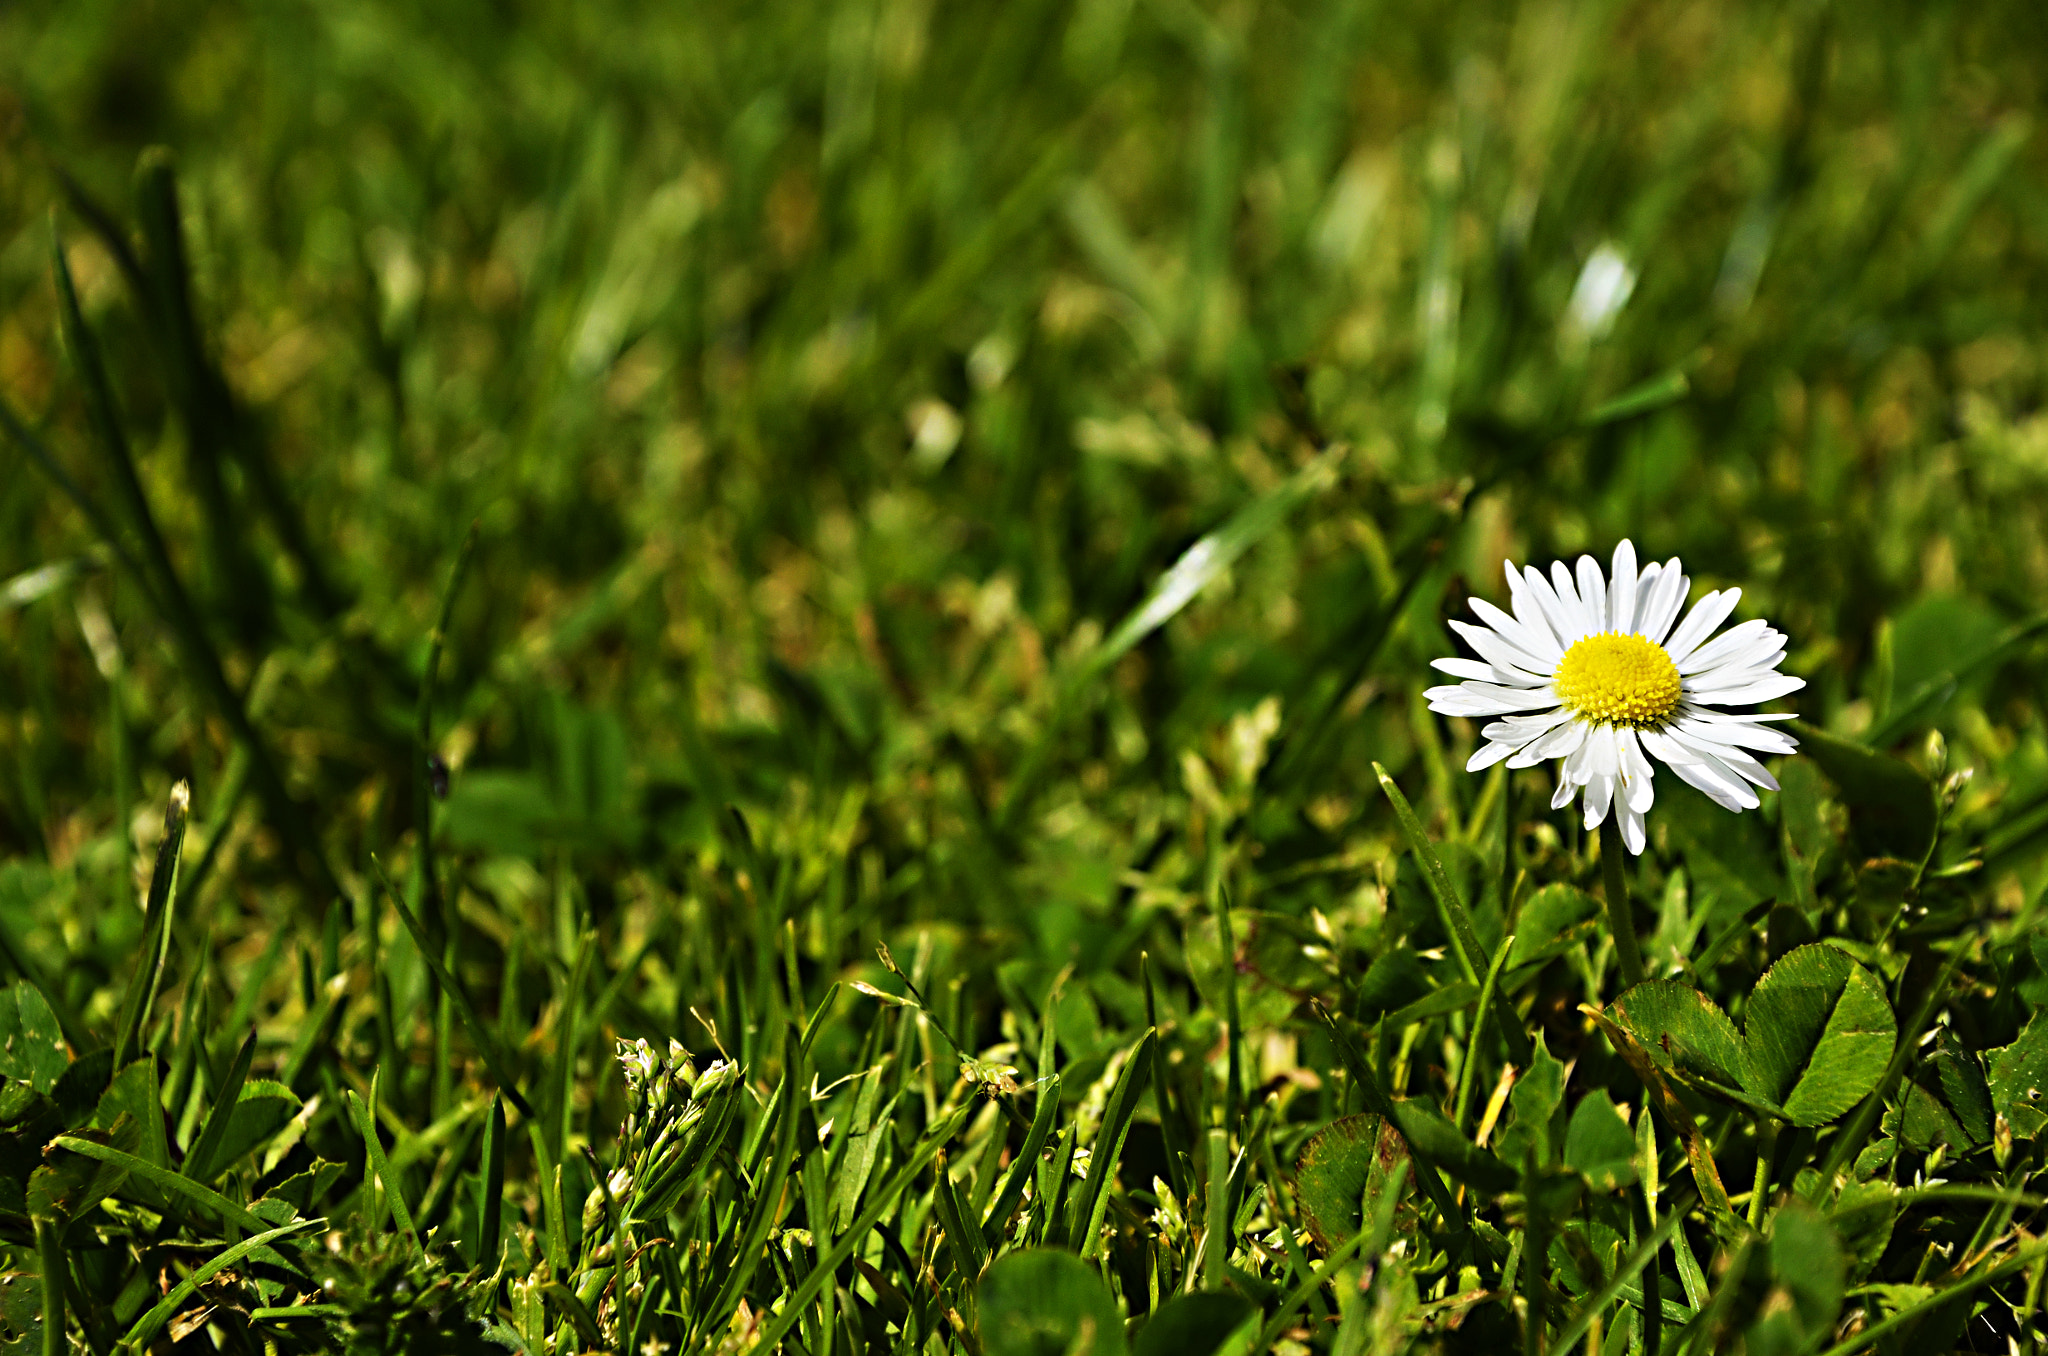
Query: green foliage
1333,1178
1038,1302
543,548
32,1053
1598,1143
1818,1034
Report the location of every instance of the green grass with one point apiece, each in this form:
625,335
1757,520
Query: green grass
908,535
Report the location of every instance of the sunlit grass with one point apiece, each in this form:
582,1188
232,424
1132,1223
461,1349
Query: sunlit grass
958,505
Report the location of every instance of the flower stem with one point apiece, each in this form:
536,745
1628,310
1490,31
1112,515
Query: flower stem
1766,1145
1469,1065
1619,920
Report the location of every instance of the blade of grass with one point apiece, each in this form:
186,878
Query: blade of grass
491,1189
199,1163
1457,918
2015,1263
429,881
1645,397
1216,1221
1109,1143
1372,1240
1468,1066
567,1042
212,414
878,1205
109,534
1620,918
1171,1126
238,584
486,1043
146,1328
1200,566
1055,1176
556,1245
50,1251
767,1194
156,927
1233,1021
394,1191
969,1249
1025,1164
201,660
1607,1294
1643,1206
168,1182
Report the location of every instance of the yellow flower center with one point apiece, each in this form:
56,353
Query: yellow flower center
1618,679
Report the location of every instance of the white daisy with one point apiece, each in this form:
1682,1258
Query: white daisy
1594,674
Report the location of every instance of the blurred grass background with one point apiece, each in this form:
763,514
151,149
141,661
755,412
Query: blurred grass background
828,378
820,375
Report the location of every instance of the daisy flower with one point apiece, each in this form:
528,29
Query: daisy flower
1591,671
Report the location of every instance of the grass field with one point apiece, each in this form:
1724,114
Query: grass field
892,552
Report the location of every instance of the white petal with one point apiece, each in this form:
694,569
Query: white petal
1606,751
1563,741
1750,769
1632,835
1663,603
1483,672
1530,614
1714,769
1646,589
1553,608
1720,786
1581,767
1735,760
1749,643
1566,789
1736,734
1465,668
1708,613
1496,651
1593,594
1664,747
1727,678
1568,597
1638,778
1764,689
1621,588
1485,699
1599,793
1537,650
1519,730
1488,755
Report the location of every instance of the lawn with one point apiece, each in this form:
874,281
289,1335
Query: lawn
690,679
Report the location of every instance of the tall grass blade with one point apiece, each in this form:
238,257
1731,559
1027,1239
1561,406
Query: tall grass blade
486,1042
394,1189
199,1164
879,1204
491,1190
1471,952
144,1332
202,661
156,927
1109,1144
